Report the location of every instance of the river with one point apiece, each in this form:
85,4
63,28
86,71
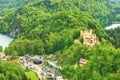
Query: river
5,40
112,26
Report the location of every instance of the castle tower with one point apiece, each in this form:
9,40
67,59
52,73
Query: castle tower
88,37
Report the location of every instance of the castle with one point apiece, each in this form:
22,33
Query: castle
88,37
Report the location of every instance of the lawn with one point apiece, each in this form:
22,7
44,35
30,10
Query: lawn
31,75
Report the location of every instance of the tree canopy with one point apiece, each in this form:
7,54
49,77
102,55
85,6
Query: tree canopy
11,71
51,26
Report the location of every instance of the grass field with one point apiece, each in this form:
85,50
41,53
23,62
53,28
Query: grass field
31,75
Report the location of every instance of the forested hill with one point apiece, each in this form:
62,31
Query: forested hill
7,6
60,20
114,34
114,0
38,13
43,19
51,26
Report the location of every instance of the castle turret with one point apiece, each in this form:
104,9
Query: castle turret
88,37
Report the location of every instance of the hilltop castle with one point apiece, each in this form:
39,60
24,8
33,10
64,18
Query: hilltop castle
88,37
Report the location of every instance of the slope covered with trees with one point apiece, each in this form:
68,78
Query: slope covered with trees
43,8
114,36
103,62
55,27
115,33
50,26
7,6
11,71
55,23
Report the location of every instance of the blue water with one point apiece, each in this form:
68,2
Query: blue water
5,40
112,26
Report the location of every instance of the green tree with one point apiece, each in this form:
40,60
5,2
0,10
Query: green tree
15,55
1,48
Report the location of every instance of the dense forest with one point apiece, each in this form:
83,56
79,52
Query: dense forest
10,5
51,26
114,36
11,71
103,62
55,23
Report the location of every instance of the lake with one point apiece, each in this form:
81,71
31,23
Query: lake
5,40
112,26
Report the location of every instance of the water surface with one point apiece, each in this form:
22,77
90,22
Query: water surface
5,40
112,26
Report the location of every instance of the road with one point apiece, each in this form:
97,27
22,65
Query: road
39,72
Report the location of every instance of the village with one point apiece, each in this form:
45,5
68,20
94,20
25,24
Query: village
44,66
45,69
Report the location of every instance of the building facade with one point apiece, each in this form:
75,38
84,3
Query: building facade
88,37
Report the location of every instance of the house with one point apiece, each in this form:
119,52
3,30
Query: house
88,37
52,72
37,61
2,55
54,64
83,62
60,78
49,77
10,58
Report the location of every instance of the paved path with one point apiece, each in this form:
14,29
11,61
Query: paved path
39,71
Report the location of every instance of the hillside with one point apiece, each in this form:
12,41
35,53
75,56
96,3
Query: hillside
7,6
48,20
11,71
22,19
114,36
51,26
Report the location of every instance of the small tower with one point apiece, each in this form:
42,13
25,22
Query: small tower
88,37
